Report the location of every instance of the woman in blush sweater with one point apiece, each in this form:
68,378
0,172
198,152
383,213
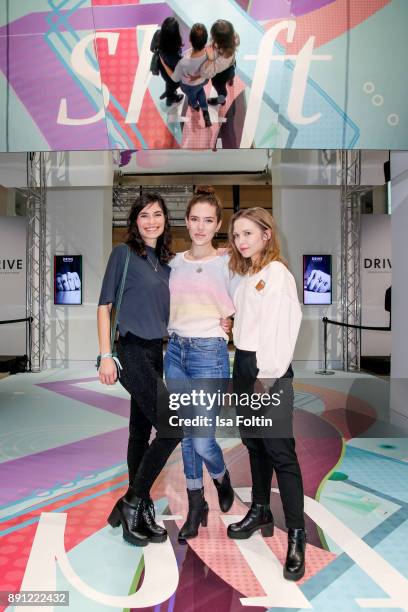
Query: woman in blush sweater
266,326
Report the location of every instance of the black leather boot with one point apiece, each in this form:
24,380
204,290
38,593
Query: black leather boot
207,120
154,532
225,492
259,516
214,101
197,513
128,513
295,559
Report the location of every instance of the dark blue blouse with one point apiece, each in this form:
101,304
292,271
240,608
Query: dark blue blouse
145,304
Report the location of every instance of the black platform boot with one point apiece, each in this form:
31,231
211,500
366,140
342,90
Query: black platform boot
225,492
128,512
154,532
207,120
259,516
197,513
214,101
295,559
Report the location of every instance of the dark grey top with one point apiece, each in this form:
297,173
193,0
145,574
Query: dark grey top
145,305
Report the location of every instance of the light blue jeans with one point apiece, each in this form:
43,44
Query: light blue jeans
188,359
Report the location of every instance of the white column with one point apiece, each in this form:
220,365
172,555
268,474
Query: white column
399,246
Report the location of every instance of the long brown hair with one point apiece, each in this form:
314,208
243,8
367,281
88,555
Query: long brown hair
271,252
224,37
204,194
135,241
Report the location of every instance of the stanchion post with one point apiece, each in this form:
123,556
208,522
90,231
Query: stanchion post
325,371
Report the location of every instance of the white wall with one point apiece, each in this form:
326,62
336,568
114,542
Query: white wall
79,169
79,222
322,167
375,244
309,222
13,272
399,245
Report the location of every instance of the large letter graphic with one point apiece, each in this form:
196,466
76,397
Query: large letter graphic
142,75
378,569
160,566
261,74
86,71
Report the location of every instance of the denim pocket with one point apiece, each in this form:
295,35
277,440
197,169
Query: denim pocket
213,345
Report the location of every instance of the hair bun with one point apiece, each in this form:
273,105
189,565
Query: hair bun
204,190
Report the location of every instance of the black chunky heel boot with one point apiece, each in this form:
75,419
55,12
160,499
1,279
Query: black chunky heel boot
259,516
225,492
197,513
154,532
295,559
128,513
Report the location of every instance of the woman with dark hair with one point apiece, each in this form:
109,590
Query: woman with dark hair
220,65
142,325
168,42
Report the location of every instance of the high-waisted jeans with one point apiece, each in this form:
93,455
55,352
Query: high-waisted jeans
187,359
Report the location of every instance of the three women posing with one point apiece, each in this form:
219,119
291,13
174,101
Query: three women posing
267,320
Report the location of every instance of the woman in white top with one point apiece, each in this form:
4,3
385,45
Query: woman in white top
220,64
266,326
197,354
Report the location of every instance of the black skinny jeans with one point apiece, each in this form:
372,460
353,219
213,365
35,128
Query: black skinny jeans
273,453
142,377
171,86
220,80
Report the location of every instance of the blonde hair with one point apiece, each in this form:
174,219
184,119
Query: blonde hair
271,252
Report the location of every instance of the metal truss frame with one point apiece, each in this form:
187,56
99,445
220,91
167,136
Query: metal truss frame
36,193
351,190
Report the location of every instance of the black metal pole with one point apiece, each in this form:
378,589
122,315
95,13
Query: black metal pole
325,371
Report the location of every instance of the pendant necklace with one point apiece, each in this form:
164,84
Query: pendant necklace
199,269
154,266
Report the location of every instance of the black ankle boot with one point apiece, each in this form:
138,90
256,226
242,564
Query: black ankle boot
154,532
207,120
295,559
259,516
128,513
225,492
214,101
197,513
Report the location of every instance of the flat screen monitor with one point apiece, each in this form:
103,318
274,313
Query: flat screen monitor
68,280
317,279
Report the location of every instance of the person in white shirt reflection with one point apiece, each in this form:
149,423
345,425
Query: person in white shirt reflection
266,326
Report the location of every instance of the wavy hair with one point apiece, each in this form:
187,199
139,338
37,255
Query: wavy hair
271,252
224,37
164,251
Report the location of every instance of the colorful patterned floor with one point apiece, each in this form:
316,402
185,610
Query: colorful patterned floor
62,451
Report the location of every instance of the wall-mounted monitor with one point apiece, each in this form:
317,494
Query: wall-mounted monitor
317,279
68,280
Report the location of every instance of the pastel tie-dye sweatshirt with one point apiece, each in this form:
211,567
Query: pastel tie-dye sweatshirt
199,297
